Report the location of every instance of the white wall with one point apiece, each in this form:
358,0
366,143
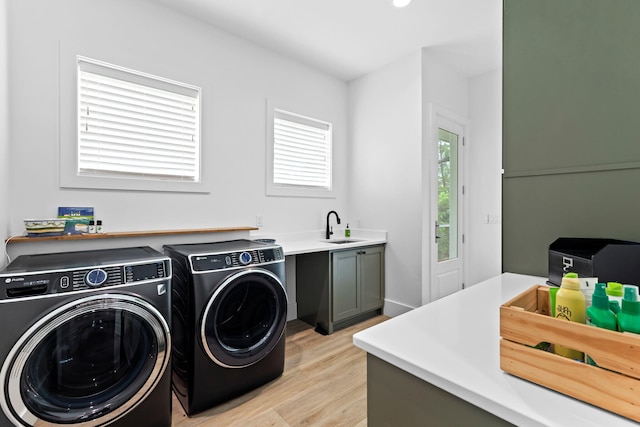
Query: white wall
389,115
385,171
485,189
4,128
443,84
236,77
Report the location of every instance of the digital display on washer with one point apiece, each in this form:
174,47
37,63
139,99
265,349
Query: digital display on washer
210,262
270,255
135,273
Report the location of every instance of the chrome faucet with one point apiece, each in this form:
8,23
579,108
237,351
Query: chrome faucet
330,229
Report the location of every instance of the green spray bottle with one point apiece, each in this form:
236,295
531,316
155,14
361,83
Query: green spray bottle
614,292
629,316
599,314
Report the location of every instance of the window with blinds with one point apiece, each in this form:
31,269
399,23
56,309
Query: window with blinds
301,152
134,125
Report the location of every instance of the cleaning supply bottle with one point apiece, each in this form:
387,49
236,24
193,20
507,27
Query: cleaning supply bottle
614,292
629,317
570,305
347,231
553,291
599,314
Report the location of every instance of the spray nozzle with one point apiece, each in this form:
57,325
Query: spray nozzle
630,293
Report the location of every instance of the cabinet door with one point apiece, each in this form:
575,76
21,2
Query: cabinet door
346,291
372,277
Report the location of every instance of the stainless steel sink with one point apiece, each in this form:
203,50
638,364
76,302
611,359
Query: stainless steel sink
341,242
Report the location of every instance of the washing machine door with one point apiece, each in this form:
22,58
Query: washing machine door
244,319
87,363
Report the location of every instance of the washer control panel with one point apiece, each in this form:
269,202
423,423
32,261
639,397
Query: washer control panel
227,260
51,282
244,258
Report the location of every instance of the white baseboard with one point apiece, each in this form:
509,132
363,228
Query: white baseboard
394,308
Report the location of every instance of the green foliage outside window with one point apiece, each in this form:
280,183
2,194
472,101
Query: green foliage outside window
444,190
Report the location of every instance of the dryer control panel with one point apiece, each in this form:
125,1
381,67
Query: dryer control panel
237,259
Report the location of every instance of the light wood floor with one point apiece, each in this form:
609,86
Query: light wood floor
323,384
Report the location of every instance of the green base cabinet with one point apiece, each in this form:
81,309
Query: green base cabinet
339,288
397,398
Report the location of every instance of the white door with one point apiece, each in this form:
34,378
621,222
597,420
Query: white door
447,219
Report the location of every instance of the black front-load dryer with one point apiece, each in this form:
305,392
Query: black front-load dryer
229,308
86,339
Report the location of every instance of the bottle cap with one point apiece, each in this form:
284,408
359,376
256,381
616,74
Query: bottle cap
614,289
570,281
630,303
599,299
630,293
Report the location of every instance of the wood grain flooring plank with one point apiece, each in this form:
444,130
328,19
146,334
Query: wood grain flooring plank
345,412
323,384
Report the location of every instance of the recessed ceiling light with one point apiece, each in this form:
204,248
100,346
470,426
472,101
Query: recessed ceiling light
401,3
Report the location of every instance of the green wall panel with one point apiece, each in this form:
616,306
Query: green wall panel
571,125
571,80
539,209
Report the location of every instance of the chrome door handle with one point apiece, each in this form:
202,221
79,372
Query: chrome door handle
436,232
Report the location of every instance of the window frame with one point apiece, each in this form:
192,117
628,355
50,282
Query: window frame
284,190
70,176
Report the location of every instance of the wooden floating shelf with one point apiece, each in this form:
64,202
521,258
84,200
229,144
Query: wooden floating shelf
124,234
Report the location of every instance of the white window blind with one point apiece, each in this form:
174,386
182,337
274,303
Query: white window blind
134,125
301,151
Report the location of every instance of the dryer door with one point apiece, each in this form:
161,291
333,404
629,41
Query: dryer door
244,319
87,363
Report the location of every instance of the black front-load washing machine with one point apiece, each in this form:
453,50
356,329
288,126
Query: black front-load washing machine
229,308
86,339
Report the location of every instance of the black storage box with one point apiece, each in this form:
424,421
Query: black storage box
609,260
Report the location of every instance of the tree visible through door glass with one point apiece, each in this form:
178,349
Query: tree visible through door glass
447,195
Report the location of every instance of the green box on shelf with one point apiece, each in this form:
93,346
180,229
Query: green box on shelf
77,219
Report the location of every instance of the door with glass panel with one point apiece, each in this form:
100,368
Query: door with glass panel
447,208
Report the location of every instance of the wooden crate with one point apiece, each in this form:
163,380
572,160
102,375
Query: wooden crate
613,385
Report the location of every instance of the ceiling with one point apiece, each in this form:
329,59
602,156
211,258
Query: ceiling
350,38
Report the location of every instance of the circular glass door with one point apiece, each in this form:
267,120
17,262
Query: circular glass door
244,319
87,363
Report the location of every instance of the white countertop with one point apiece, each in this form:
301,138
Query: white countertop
453,343
314,241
